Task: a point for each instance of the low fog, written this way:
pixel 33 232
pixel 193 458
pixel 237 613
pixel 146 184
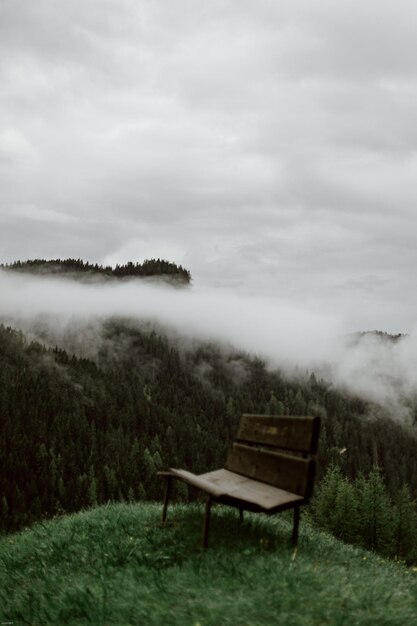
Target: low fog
pixel 290 337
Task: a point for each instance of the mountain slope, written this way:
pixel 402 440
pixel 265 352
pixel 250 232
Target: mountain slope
pixel 76 431
pixel 117 564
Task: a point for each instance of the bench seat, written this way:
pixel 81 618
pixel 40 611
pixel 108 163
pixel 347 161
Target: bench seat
pixel 231 488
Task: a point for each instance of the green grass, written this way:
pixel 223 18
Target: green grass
pixel 119 565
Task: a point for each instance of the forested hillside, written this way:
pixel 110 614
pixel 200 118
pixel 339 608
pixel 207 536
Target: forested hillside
pixel 78 268
pixel 78 431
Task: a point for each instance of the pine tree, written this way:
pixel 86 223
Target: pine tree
pixel 275 407
pixel 346 514
pixel 375 528
pixel 405 526
pixel 299 404
pixel 141 492
pixel 324 503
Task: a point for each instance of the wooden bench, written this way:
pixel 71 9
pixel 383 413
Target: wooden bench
pixel 270 467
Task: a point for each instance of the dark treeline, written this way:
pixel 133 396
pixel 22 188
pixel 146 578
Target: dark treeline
pixel 76 432
pixel 151 267
pixel 379 334
pixel 362 512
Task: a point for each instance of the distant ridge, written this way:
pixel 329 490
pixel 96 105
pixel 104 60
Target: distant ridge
pixel 380 334
pixel 151 268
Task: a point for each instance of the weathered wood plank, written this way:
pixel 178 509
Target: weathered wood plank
pixel 197 481
pixel 248 490
pixel 224 479
pixel 287 432
pixel 290 473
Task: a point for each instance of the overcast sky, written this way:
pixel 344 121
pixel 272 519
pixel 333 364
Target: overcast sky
pixel 269 146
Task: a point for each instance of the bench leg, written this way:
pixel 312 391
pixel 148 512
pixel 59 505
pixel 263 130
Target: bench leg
pixel 240 515
pixel 166 499
pixel 206 523
pixel 294 539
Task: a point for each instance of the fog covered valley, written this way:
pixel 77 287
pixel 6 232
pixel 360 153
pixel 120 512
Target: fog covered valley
pixel 104 384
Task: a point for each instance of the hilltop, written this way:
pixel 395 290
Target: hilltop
pixel 117 564
pixel 77 268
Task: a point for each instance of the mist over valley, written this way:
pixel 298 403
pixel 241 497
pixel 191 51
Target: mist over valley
pixel 69 312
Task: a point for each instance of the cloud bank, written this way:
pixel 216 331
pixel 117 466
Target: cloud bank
pixel 264 326
pixel 288 337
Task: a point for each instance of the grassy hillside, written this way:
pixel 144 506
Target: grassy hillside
pixel 117 564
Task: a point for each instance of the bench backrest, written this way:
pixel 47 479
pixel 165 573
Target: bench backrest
pixel 268 448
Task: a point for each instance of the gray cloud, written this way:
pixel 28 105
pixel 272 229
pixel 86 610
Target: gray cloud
pixel 268 146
